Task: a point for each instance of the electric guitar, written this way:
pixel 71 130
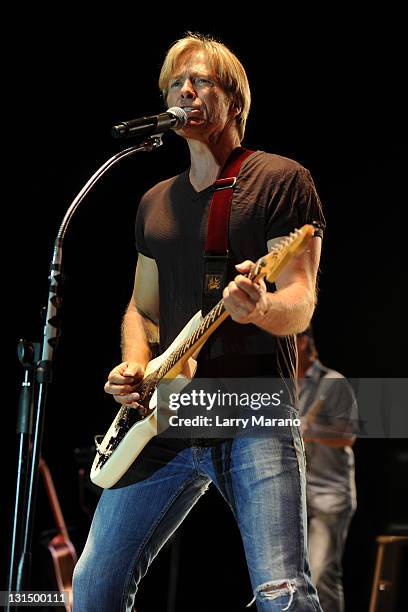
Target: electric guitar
pixel 129 432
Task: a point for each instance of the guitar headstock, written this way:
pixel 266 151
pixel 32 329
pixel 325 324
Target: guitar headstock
pixel 269 266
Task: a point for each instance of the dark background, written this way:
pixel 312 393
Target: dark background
pixel 327 91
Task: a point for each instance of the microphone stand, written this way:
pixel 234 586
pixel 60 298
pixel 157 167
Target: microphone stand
pixel 28 464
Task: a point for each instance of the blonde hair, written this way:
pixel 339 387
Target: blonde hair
pixel 230 72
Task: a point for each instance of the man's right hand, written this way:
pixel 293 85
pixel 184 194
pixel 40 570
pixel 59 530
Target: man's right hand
pixel 123 382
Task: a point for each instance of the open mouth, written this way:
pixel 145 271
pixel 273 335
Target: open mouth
pixel 191 111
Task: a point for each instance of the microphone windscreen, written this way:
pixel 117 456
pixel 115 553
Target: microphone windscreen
pixel 179 113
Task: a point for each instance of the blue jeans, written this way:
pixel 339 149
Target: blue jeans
pixel 262 479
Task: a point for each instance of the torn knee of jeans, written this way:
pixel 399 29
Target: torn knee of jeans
pixel 273 590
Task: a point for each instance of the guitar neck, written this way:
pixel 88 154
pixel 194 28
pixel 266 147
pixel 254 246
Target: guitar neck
pixel 54 502
pixel 314 411
pixel 173 364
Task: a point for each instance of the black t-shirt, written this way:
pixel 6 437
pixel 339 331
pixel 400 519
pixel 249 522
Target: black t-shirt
pixel 272 196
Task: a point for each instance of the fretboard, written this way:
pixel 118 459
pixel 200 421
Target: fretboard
pixel 189 343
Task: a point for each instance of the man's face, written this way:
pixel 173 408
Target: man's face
pixel 195 87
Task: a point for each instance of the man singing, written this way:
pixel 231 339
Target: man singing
pixel 262 478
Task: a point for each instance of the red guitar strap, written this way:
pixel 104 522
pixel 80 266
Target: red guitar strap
pixel 216 245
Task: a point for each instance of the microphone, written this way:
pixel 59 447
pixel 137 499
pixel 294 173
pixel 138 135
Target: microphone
pixel 173 118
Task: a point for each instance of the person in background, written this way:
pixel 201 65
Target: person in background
pixel 328 413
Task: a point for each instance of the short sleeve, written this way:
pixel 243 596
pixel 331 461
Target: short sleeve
pixel 294 202
pixel 339 404
pixel 140 241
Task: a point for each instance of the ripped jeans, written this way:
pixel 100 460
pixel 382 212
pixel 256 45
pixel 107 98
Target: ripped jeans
pixel 262 479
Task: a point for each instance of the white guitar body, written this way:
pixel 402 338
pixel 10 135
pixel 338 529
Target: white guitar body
pixel 106 473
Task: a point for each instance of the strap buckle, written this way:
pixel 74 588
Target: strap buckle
pixel 225 183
